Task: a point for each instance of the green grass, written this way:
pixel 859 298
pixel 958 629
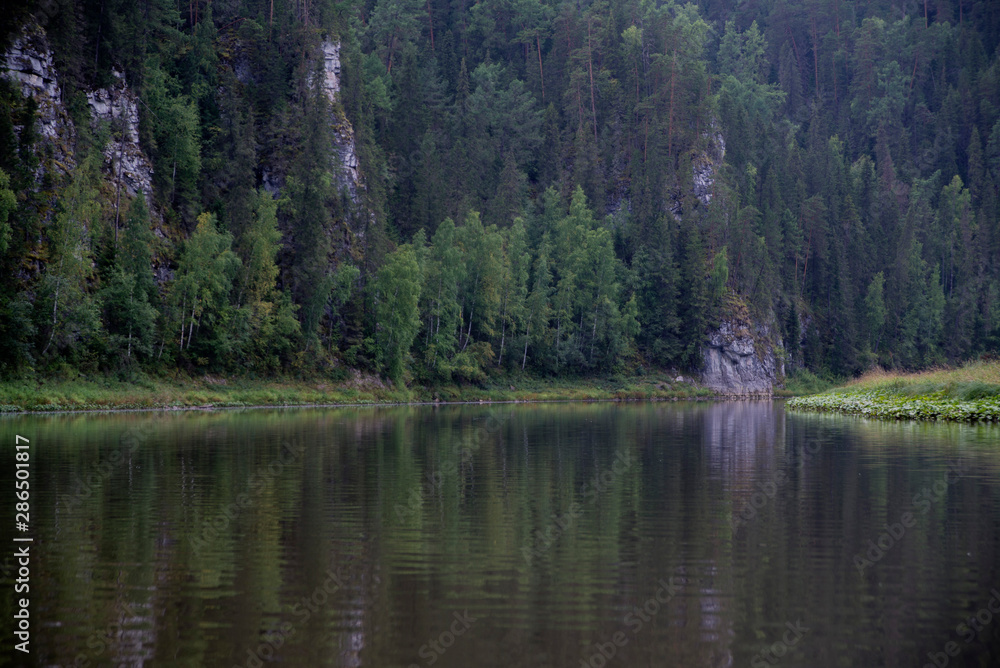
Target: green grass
pixel 970 393
pixel 143 392
pixel 802 382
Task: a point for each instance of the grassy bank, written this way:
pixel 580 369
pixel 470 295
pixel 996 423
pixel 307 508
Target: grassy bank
pixel 215 392
pixel 970 393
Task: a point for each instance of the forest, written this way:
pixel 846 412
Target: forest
pixel 546 187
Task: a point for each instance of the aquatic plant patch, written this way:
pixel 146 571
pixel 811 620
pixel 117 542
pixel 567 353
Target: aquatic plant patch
pixel 888 405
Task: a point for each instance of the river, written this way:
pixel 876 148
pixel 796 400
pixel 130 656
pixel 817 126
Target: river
pixel 576 534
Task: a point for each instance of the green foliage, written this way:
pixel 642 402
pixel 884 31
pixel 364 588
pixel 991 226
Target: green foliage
pixel 743 55
pixel 445 273
pixel 8 204
pixel 637 165
pixel 258 248
pixel 396 292
pixel 720 273
pixel 174 138
pixel 136 253
pixel 199 295
pixel 67 314
pixel 127 298
pixel 264 326
pixel 969 394
pixel 129 316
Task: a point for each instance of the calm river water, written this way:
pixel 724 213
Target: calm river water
pixel 572 535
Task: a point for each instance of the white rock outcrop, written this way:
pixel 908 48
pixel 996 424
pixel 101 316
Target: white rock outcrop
pixel 28 63
pixel 739 360
pixel 345 154
pixel 704 166
pixel 124 159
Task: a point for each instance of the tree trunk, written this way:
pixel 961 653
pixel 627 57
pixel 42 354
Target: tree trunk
pixel 191 328
pixel 183 304
pixel 430 21
pixel 541 74
pixel 118 186
pixel 527 332
pixel 815 55
pixel 97 46
pixel 468 335
pixel 503 326
pixel 795 45
pixel 558 336
pixel 55 310
pixel 128 355
pixel 670 122
pixel 590 69
pixel 593 335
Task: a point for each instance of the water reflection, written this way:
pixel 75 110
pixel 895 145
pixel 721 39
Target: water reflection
pixel 535 535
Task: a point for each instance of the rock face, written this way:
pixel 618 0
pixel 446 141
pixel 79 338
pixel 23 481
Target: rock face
pixel 29 64
pixel 343 152
pixel 345 155
pixel 739 360
pixel 704 165
pixel 123 158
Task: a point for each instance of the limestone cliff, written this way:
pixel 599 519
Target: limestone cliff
pixel 704 165
pixel 739 359
pixel 28 63
pixel 344 153
pixel 124 160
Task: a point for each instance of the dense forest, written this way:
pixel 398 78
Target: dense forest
pixel 545 187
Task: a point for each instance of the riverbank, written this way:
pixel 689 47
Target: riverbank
pixel 970 393
pixel 217 392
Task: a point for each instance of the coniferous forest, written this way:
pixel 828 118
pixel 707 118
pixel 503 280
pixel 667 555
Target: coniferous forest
pixel 542 187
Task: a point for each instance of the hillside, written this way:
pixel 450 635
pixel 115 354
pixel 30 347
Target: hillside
pixel 443 192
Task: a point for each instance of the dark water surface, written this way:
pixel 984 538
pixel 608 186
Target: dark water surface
pixel 682 534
